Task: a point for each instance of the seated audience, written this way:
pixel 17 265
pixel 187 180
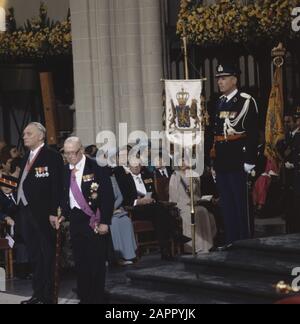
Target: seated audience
pixel 122 230
pixel 161 171
pixel 10 213
pixel 137 187
pixel 205 222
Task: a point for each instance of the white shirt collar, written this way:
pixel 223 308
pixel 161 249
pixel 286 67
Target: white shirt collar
pixel 136 176
pixel 295 132
pixel 126 169
pixel 34 152
pixel 231 95
pixel 79 165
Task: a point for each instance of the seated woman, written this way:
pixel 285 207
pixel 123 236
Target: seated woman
pixel 122 230
pixel 205 223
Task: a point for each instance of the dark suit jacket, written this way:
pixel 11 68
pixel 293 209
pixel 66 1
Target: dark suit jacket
pixel 105 200
pixel 158 174
pixel 128 188
pixel 7 206
pixel 4 204
pixel 44 194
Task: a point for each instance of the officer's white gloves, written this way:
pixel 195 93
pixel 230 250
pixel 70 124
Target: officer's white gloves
pixel 248 168
pixel 289 166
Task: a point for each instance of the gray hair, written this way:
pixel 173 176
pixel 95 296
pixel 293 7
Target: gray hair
pixel 74 140
pixel 40 127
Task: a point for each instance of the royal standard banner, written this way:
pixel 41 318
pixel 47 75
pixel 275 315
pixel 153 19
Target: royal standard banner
pixel 185 124
pixel 183 110
pixel 274 123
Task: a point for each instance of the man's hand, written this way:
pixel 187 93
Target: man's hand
pixel 102 229
pixel 56 222
pixel 145 201
pixel 9 221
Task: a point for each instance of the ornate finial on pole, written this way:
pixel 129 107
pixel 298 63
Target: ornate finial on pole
pixel 278 55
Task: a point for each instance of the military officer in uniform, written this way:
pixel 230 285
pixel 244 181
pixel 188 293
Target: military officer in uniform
pixel 234 152
pixel 286 147
pixel 293 164
pixel 89 204
pixel 39 196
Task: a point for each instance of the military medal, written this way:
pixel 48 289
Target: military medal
pixel 94 191
pixel 88 178
pixel 42 172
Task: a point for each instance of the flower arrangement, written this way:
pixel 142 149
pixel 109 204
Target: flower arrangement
pixel 40 38
pixel 229 21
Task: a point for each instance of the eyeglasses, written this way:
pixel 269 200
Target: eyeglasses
pixel 70 154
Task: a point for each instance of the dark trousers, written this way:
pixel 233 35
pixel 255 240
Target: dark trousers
pixel 40 244
pixel 293 215
pixel 161 220
pixel 90 254
pixel 234 202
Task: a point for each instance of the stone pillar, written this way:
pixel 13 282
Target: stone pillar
pixel 117 65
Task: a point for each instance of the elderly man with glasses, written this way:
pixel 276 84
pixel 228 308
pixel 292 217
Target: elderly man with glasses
pixel 89 205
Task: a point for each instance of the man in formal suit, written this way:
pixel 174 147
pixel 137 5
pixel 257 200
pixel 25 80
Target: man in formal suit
pixel 39 196
pixel 161 170
pixel 137 187
pixel 89 205
pixel 292 165
pixel 8 185
pixel 8 206
pixel 234 153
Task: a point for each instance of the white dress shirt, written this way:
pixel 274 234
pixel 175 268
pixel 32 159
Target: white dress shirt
pixel 35 152
pixel 295 132
pixel 79 174
pixel 11 197
pixel 140 186
pixel 164 172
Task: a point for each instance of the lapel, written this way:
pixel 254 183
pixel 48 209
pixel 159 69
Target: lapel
pixel 86 184
pixel 38 158
pixel 148 182
pixel 131 185
pixel 36 162
pixel 25 159
pixel 67 177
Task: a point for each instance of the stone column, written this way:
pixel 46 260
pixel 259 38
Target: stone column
pixel 117 65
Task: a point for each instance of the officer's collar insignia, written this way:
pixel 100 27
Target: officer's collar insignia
pixel 235 100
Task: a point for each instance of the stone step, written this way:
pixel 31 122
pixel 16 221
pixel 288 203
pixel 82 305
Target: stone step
pixel 239 260
pixel 176 279
pixel 286 245
pixel 128 294
pixel 270 227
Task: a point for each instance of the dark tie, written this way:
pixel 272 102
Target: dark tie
pixel 222 103
pixel 163 173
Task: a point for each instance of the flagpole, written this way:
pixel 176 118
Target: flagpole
pixel 192 198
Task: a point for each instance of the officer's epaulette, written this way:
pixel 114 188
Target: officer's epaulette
pixel 248 97
pixel 245 95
